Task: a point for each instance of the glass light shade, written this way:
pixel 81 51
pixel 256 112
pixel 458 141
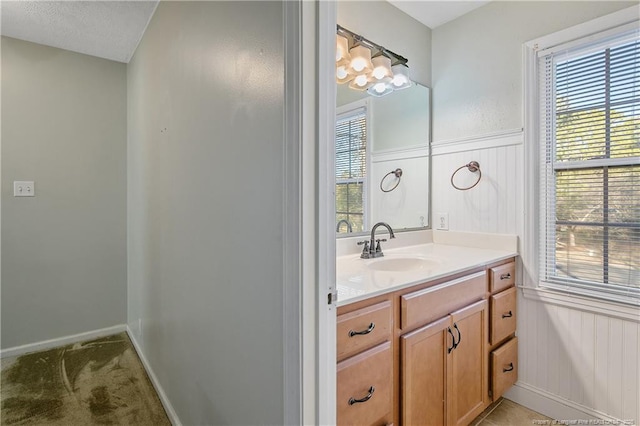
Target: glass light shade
pixel 360 60
pixel 401 78
pixel 342 49
pixel 342 75
pixel 380 89
pixel 360 82
pixel 381 67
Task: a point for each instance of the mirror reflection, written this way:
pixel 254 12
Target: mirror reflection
pixel 376 136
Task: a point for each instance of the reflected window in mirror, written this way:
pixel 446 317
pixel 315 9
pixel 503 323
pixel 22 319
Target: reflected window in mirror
pixel 351 170
pixel 374 136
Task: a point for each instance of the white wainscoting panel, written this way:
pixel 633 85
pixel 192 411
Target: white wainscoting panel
pixel 407 206
pixel 573 360
pixel 584 358
pixel 495 204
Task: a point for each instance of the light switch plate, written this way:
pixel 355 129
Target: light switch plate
pixel 442 221
pixel 23 188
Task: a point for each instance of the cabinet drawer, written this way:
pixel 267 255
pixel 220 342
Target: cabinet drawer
pixel 503 315
pixel 504 367
pixel 363 328
pixel 502 276
pixel 368 378
pixel 429 304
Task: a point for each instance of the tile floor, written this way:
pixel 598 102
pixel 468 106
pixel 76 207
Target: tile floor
pixel 507 413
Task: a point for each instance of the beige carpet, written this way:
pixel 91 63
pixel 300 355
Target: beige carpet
pixel 97 382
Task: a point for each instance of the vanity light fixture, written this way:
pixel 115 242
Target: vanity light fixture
pixel 342 50
pixel 400 78
pixel 360 60
pixel 369 66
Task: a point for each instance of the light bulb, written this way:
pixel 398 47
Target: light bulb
pixel 341 72
pixel 358 64
pixel 381 67
pixel 380 87
pixel 361 80
pixel 360 59
pixel 399 80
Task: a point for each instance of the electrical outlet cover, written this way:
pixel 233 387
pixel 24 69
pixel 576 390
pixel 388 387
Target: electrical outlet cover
pixel 442 221
pixel 23 188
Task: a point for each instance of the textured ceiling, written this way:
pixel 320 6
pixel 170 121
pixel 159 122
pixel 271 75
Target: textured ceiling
pixel 107 29
pixel 435 13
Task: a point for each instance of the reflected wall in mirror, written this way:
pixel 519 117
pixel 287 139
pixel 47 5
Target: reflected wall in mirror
pixel 375 136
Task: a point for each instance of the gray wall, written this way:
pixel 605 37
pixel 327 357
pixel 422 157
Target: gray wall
pixel 205 208
pixel 63 251
pixel 477 62
pixel 390 27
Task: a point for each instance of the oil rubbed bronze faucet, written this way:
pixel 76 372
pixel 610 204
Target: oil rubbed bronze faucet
pixel 349 228
pixel 372 248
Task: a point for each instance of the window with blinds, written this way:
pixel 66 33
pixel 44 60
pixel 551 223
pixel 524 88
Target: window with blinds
pixel 351 171
pixel 590 167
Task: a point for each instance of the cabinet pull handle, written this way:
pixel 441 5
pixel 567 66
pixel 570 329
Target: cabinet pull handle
pixel 352 400
pixel 504 370
pixel 509 315
pixel 363 332
pixel 505 276
pixel 453 344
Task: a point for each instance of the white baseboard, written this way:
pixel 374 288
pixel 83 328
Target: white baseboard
pixel 168 408
pixel 61 341
pixel 553 406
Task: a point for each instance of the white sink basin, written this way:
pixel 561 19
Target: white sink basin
pixel 401 263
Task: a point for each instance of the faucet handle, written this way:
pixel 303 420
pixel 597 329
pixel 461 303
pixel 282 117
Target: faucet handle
pixel 365 249
pixel 378 241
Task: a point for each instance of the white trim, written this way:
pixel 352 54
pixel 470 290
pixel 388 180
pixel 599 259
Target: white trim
pixel 292 218
pixel 310 237
pixel 586 29
pixel 602 162
pixel 400 154
pixel 552 405
pixel 530 243
pixel 168 408
pixel 532 229
pixel 582 303
pixel 352 108
pixel 326 256
pixel 486 141
pixel 61 341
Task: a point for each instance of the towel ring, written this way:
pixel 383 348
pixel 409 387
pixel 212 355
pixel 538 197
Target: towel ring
pixel 473 167
pixel 397 173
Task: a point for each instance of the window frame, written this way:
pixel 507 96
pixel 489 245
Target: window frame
pixel 533 285
pixel 343 111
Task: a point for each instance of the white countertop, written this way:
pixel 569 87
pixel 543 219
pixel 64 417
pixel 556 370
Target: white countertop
pixel 357 281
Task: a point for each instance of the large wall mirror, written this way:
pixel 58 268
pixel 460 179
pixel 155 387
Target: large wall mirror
pixel 375 136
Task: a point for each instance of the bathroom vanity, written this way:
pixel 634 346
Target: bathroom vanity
pixel 425 335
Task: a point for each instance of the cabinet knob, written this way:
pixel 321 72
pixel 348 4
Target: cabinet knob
pixel 352 400
pixel 510 368
pixel 505 276
pixel 363 332
pixel 508 315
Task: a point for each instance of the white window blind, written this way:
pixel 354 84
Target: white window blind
pixel 590 167
pixel 351 170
